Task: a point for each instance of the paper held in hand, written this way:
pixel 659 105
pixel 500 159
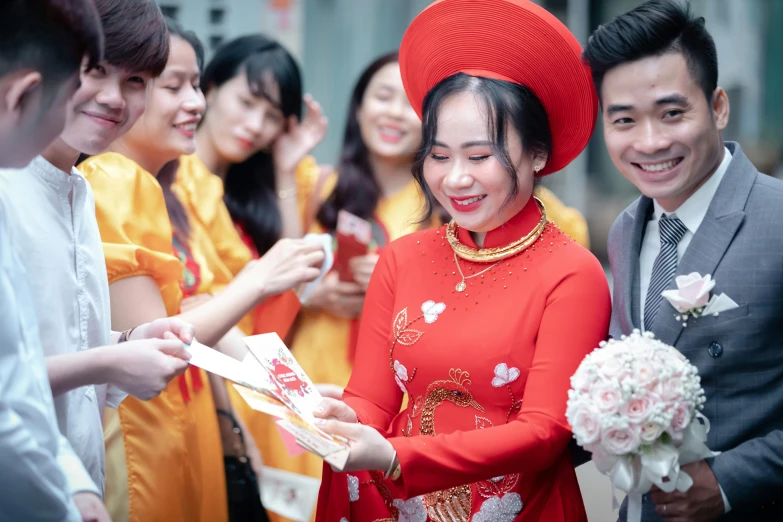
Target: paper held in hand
pixel 271 381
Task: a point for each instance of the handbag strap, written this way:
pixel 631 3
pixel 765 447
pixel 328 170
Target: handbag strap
pixel 235 427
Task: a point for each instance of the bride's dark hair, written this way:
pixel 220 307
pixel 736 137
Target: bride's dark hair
pixel 506 103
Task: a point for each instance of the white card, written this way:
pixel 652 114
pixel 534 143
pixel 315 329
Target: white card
pixel 325 240
pixel 221 364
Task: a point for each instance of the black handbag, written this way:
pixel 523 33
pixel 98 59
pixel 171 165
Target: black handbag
pixel 244 497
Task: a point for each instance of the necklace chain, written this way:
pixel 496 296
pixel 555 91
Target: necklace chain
pixel 488 255
pixel 461 286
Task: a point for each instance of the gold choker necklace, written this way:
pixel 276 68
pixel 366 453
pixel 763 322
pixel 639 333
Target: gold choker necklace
pixel 491 255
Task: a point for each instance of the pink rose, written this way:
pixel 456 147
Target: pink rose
pixel 681 420
pixel 585 424
pixel 621 441
pixel 645 372
pixel 650 432
pixel 611 368
pixel 606 397
pixel 670 389
pixel 693 291
pixel 637 410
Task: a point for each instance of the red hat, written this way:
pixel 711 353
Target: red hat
pixel 512 40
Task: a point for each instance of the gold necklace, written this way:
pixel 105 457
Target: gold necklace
pixel 489 255
pixel 461 286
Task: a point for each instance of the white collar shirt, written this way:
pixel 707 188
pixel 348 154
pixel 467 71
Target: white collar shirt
pixel 691 213
pixel 60 247
pixel 39 472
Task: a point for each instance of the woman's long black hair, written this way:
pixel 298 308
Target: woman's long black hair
pixel 250 192
pixel 167 175
pixel 357 190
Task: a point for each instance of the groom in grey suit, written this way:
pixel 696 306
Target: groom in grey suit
pixel 705 209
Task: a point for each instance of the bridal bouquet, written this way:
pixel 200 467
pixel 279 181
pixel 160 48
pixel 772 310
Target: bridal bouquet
pixel 635 405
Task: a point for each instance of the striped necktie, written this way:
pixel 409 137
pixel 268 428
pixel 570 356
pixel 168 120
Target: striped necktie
pixel 664 268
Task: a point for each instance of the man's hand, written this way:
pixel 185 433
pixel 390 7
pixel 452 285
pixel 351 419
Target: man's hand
pixel 166 328
pixel 90 506
pixel 144 368
pixel 703 502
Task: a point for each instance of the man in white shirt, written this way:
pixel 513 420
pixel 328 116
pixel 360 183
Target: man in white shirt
pixel 42 43
pixel 704 209
pixel 56 233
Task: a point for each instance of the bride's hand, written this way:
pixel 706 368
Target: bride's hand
pixel 369 449
pixel 334 409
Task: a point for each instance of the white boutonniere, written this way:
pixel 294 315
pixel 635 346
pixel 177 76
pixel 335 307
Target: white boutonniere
pixel 692 297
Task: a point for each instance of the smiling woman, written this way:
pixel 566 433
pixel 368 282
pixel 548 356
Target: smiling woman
pixel 467 321
pixel 149 237
pixel 372 181
pixel 483 134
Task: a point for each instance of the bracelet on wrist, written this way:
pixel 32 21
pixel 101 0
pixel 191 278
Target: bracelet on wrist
pixel 394 471
pixel 125 336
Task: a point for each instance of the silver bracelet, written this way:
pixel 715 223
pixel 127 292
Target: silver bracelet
pixel 392 466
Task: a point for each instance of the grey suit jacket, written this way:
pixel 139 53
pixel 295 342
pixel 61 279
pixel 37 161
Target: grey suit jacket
pixel 739 353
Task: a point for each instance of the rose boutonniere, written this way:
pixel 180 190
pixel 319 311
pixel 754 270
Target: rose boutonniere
pixel 692 297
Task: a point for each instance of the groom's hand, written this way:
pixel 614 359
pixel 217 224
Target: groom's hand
pixel 703 502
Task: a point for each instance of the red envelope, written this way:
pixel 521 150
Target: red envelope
pixel 354 235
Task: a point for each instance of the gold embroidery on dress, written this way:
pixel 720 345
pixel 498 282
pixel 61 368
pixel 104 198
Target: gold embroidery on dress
pixel 516 405
pixel 453 504
pixel 388 499
pixel 405 336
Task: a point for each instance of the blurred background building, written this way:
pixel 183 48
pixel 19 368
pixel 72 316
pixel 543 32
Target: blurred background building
pixel 334 40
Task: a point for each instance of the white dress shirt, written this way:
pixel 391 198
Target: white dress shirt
pixel 34 456
pixel 59 244
pixel 691 213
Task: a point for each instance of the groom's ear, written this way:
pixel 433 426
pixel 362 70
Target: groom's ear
pixel 721 108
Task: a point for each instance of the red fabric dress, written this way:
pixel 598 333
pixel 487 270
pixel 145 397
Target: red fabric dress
pixel 484 436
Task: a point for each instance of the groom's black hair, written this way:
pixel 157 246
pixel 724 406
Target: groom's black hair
pixel 655 28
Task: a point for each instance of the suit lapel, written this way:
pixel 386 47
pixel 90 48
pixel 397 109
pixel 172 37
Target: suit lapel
pixel 640 220
pixel 634 223
pixel 714 236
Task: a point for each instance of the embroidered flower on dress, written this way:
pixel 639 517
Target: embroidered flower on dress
pixel 500 509
pixel 432 310
pixel 504 375
pixel 411 510
pixel 343 519
pixel 483 422
pixel 353 488
pixel 400 375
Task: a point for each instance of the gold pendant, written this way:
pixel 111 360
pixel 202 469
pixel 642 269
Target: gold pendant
pixel 461 286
